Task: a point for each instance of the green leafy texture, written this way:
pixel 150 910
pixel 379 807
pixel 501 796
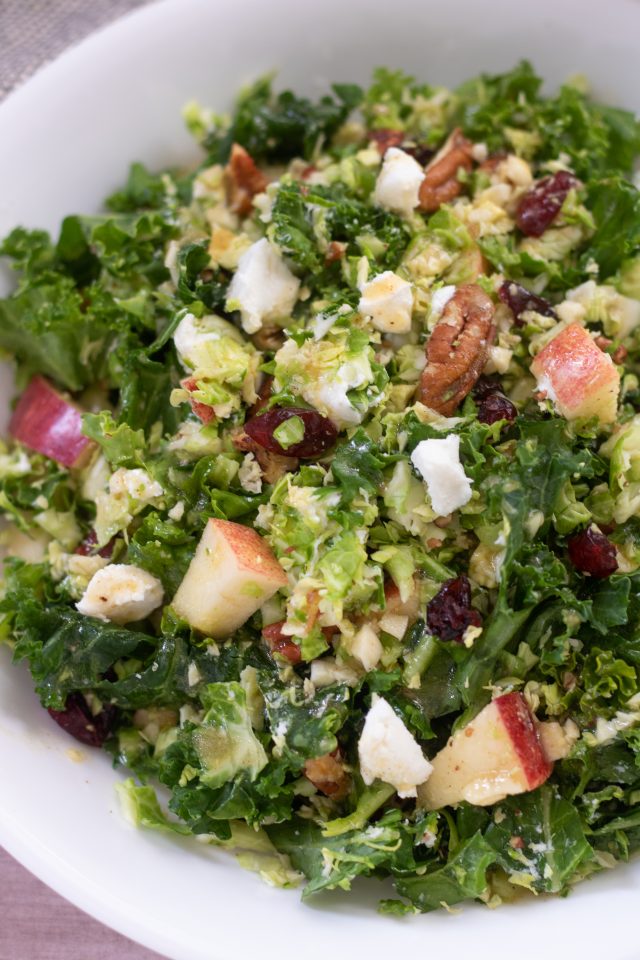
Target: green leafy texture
pixel 334 862
pixel 305 727
pixel 163 548
pixel 463 877
pixel 356 466
pixel 144 190
pixel 252 848
pixel 507 110
pixel 121 446
pixel 51 331
pixel 141 807
pixel 279 127
pixel 615 205
pixel 301 221
pixel 289 432
pixel 224 742
pixel 540 843
pixel 545 458
pixel 67 651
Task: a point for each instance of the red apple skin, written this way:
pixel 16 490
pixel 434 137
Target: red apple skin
pixel 519 724
pixel 583 378
pixel 202 410
pixel 47 423
pixel 497 754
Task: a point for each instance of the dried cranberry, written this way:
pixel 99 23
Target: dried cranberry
pixel 485 387
pixel 496 407
pixel 319 433
pixel 78 721
pixel 593 553
pixel 541 204
pixel 450 612
pixel 519 300
pixel 492 403
pixel 88 545
pixel 280 643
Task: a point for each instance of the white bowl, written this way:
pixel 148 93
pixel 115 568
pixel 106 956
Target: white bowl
pixel 67 137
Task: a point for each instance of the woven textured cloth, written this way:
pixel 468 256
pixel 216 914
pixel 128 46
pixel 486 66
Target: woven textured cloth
pixel 33 32
pixel 36 923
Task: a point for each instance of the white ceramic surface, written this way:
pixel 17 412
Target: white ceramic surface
pixel 67 137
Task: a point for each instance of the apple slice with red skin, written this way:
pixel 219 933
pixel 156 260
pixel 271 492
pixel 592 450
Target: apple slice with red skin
pixel 202 410
pixel 577 376
pixel 497 754
pixel 47 423
pixel 233 572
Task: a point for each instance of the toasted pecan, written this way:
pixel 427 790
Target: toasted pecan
pixel 328 775
pixel 441 184
pixel 243 180
pixel 458 349
pixel 273 465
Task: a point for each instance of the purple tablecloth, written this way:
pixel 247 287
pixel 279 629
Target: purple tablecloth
pixel 35 923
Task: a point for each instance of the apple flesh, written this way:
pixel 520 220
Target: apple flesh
pixel 496 755
pixel 47 423
pixel 233 572
pixel 395 605
pixel 577 376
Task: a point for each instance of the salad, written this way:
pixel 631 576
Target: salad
pixel 322 492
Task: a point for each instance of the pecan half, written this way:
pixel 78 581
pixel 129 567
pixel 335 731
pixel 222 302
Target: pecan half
pixel 243 179
pixel 441 184
pixel 328 775
pixel 386 137
pixel 273 465
pixel 457 349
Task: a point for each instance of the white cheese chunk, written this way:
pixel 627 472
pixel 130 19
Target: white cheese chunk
pixel 440 298
pixel 263 288
pixel 388 300
pixel 136 484
pixel 365 646
pixel 398 184
pixel 329 393
pixel 438 462
pixel 177 511
pixel 388 751
pixel 121 593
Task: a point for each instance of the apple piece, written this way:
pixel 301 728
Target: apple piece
pixel 202 410
pixel 496 755
pixel 47 423
pixel 395 605
pixel 577 376
pixel 233 572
